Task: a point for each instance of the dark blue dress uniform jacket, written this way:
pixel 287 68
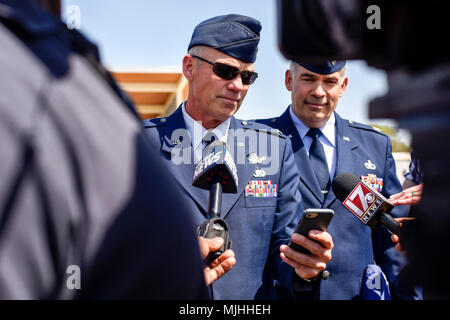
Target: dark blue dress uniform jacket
pixel 258 225
pixel 356 245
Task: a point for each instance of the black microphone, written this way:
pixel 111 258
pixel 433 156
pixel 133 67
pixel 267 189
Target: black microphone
pixel 368 205
pixel 216 172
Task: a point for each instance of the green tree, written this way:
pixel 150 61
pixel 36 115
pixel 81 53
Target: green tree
pixel 393 133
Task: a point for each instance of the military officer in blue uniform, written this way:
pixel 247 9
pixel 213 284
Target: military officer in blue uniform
pixel 324 146
pixel 262 215
pixel 82 215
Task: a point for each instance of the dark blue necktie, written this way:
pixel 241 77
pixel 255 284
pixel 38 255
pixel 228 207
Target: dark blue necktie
pixel 318 160
pixel 209 138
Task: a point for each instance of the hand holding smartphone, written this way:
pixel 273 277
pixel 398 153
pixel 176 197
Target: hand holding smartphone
pixel 312 219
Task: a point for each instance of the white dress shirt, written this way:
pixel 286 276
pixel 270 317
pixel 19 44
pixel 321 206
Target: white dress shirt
pixel 328 139
pixel 197 132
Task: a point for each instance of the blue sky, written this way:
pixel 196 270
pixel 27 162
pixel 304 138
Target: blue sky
pixel 156 33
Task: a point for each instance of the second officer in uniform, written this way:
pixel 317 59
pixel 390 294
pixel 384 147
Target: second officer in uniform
pixel 324 146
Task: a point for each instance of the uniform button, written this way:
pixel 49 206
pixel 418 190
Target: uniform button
pixel 325 274
pixel 244 123
pixel 273 120
pixel 163 120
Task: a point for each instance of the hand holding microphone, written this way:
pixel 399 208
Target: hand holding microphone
pixel 216 172
pixel 368 205
pixel 396 239
pixel 219 266
pixel 371 208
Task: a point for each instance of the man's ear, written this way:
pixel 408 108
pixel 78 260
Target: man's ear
pixel 343 86
pixel 288 80
pixel 188 66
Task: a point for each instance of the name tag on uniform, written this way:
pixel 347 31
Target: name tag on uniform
pixel 373 181
pixel 261 189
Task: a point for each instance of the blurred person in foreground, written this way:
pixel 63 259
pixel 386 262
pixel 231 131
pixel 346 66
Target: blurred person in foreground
pixel 83 215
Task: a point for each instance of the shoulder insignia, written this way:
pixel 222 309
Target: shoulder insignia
pixel 363 126
pixel 154 122
pixel 378 129
pixel 279 132
pixel 272 131
pixel 261 127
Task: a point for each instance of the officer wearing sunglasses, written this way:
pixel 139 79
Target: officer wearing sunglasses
pixel 263 214
pixel 228 72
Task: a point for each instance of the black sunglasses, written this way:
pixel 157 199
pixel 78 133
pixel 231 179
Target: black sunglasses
pixel 228 72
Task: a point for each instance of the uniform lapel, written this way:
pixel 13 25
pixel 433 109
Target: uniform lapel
pixel 346 151
pixel 308 180
pixel 237 146
pixel 176 147
pixel 176 140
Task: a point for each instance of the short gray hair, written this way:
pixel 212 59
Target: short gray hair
pixel 197 50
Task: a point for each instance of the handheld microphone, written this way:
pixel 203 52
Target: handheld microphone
pixel 368 205
pixel 216 172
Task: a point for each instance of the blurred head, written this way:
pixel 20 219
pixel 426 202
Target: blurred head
pixel 315 90
pixel 219 67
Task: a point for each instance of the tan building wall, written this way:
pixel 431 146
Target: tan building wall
pixel 155 93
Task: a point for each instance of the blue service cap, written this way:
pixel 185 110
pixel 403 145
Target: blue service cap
pixel 233 34
pixel 327 67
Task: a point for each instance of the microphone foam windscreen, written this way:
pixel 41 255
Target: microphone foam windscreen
pixel 343 184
